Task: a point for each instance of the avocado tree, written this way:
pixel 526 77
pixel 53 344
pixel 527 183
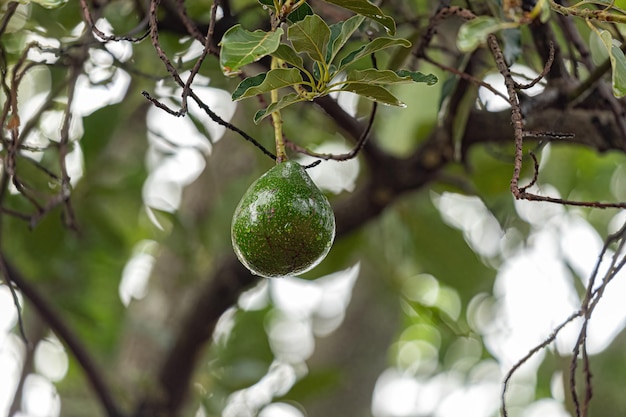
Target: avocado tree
pixel 433 223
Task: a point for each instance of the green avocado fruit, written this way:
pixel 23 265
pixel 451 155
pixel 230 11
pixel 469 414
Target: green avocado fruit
pixel 283 224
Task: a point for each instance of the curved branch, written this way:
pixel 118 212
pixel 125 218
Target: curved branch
pixel 11 8
pixel 360 144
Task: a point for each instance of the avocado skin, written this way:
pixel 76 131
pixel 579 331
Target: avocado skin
pixel 283 225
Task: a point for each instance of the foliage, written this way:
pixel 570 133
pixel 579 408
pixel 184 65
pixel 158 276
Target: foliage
pixel 321 44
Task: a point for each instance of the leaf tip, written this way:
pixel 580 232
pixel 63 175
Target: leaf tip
pixel 259 115
pixel 229 72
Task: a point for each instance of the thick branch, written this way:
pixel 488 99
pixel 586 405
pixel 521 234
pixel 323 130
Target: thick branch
pixel 593 128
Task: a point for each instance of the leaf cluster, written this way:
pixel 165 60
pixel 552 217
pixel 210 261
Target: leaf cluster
pixel 312 57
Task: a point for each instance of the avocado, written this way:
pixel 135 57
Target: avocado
pixel 283 225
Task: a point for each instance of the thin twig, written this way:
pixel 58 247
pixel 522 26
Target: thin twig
pixel 70 218
pixel 516 113
pixel 36 330
pixel 313 164
pixel 344 156
pixel 154 36
pixel 614 268
pixel 588 377
pixel 570 30
pixel 103 36
pixel 548 134
pixel 18 307
pixel 207 43
pixel 362 140
pixel 437 18
pixel 588 304
pixel 519 134
pixel 11 8
pixel 575 203
pixel 466 76
pixel 590 301
pixel 529 355
pixel 189 24
pixel 16 214
pixel 214 117
pixel 542 75
pixel 535 175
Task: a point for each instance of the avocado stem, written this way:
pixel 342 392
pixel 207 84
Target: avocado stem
pixel 277 121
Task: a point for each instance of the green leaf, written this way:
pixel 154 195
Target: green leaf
pixel 310 36
pixel 285 101
pixel 374 93
pixel 287 54
pixel 419 77
pixel 317 71
pixel 618 64
pixel 367 9
pixel 263 83
pixel 248 83
pixel 599 52
pixel 374 46
pixel 300 13
pixel 340 33
pixel 473 33
pixel 386 77
pixel 241 47
pixel 378 77
pixel 546 11
pixel 48 4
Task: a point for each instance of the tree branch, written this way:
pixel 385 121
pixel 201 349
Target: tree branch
pixel 51 317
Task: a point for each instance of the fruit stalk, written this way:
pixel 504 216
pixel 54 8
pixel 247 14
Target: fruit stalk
pixel 277 121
